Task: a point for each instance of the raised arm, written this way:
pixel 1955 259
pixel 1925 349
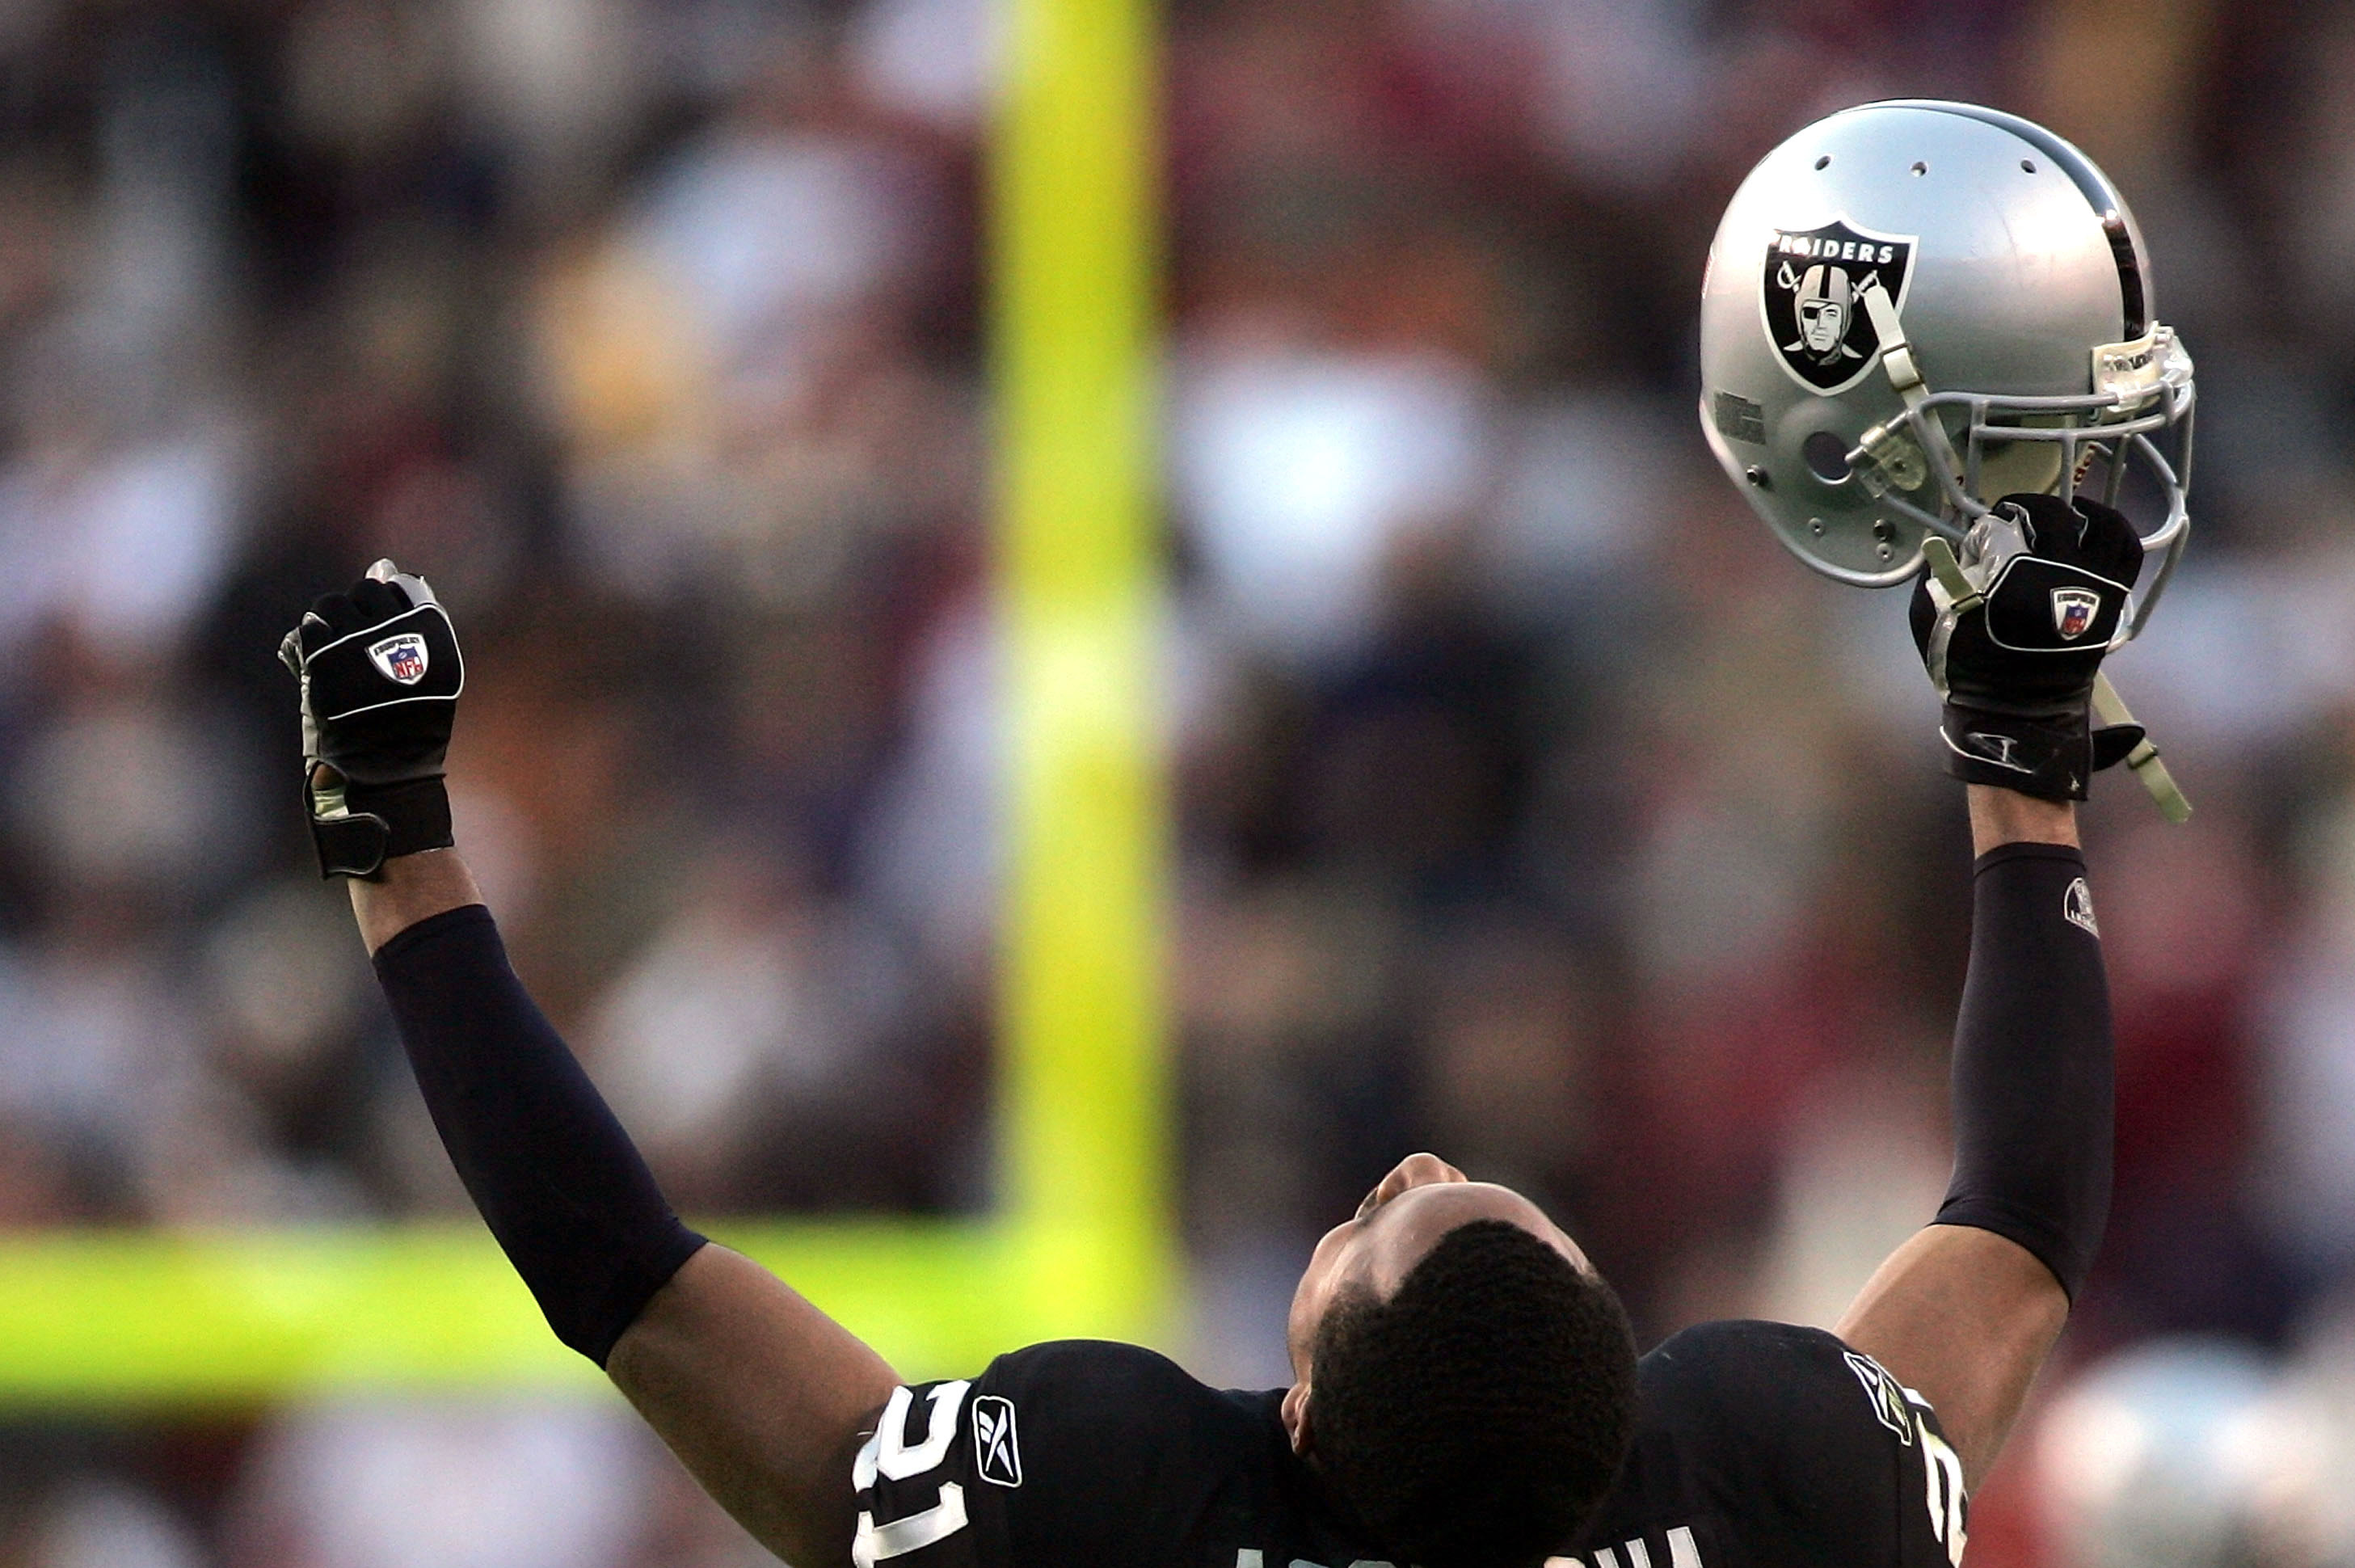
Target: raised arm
pixel 1966 1310
pixel 764 1397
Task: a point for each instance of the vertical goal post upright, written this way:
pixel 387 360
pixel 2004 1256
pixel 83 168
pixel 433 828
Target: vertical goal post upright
pixel 1083 1242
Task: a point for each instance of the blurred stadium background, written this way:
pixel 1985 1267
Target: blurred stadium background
pixel 1527 803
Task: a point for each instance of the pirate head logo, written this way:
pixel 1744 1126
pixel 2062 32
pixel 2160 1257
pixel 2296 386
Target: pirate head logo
pixel 1813 299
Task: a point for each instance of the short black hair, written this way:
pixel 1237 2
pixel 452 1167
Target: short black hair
pixel 1475 1418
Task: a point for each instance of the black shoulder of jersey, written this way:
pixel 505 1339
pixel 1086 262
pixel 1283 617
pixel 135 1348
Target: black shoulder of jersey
pixel 1074 1451
pixel 1145 1380
pixel 1761 1445
pixel 1132 1457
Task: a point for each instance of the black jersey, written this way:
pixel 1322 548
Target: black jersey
pixel 1760 1445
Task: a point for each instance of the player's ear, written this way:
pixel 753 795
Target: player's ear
pixel 1295 1418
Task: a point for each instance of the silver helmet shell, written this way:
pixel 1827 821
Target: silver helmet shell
pixel 1914 308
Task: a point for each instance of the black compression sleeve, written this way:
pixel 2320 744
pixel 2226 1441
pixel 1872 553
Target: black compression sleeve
pixel 556 1179
pixel 2032 1062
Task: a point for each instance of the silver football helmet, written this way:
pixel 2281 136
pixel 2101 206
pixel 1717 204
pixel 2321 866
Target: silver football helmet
pixel 1914 308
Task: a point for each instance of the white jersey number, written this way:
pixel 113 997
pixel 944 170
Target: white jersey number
pixel 887 1455
pixel 1942 1476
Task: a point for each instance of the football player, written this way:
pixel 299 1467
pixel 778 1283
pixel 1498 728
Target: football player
pixel 1466 1391
pixel 1466 1394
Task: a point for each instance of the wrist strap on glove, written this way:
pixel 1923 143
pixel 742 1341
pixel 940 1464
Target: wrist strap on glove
pixel 2051 758
pixel 356 830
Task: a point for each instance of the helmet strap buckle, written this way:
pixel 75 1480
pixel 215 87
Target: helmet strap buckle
pixel 1905 376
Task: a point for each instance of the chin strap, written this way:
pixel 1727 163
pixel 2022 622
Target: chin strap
pixel 1905 377
pixel 1896 353
pixel 2143 761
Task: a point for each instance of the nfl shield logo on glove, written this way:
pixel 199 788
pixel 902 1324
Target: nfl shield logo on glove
pixel 401 658
pixel 2073 612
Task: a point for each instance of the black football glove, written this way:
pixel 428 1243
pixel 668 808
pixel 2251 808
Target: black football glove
pixel 2016 661
pixel 380 675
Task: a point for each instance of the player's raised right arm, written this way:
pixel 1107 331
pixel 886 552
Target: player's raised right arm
pixel 764 1397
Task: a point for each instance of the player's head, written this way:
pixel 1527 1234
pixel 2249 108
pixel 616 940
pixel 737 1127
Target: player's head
pixel 1466 1381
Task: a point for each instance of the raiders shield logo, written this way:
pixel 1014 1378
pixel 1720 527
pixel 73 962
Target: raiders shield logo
pixel 1812 299
pixel 401 658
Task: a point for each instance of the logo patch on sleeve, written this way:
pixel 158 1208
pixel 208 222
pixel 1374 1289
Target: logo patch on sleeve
pixel 1886 1394
pixel 401 659
pixel 1812 299
pixel 2077 908
pixel 996 1452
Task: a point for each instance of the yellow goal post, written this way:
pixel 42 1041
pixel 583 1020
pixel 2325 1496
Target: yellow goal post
pixel 159 1321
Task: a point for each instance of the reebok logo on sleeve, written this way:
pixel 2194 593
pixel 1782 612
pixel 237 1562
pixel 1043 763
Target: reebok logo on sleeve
pixel 996 1453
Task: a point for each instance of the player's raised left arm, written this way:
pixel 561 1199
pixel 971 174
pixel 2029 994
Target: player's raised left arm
pixel 1967 1309
pixel 764 1397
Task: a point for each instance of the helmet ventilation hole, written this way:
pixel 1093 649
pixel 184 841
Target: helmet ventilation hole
pixel 1826 455
pixel 2028 165
pixel 1921 169
pixel 1825 161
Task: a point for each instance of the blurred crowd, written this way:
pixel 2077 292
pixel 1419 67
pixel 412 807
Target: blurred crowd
pixel 1533 806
